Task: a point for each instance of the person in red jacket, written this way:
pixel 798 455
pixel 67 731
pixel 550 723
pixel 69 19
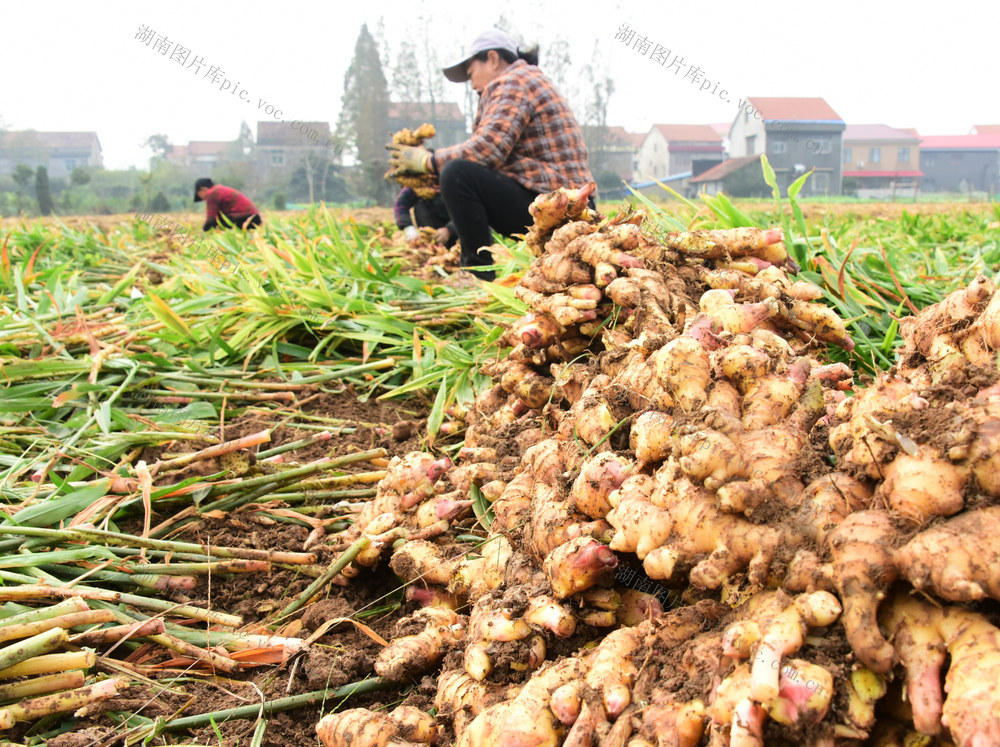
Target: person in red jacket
pixel 234 207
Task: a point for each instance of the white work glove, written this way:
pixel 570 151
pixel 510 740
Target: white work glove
pixel 411 233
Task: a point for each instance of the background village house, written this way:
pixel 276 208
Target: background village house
pixel 797 134
pixel 881 162
pixel 58 152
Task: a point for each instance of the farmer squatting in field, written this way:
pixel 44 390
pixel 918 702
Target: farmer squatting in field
pixel 235 208
pixel 525 141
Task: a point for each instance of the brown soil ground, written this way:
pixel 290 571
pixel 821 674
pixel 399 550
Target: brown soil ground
pixel 342 655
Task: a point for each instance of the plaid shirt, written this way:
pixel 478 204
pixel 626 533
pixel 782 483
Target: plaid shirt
pixel 525 130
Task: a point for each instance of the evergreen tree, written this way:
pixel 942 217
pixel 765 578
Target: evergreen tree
pixel 160 203
pixel 159 144
pixel 364 118
pixel 382 43
pixel 22 176
pixel 245 139
pixel 79 176
pixel 43 192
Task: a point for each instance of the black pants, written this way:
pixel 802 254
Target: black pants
pixel 479 199
pixel 235 221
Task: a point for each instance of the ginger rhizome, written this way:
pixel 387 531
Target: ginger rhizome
pixel 701 529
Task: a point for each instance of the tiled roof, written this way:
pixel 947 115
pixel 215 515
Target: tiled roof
pixel 960 142
pixel 620 136
pixel 688 133
pixel 208 147
pixel 794 109
pixel 75 140
pixel 617 135
pixel 854 133
pixel 444 111
pixel 725 168
pixel 883 173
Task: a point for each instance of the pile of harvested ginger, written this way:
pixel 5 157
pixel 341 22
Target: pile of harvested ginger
pixel 699 531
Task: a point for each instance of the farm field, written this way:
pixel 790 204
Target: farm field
pixel 226 456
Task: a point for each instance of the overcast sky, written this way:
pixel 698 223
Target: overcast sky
pixel 78 66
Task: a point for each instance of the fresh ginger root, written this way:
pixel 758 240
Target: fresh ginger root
pixel 957 559
pixel 533 389
pixel 936 332
pixel 526 719
pixel 640 526
pixel 684 370
pixel 597 249
pixel 737 242
pixel 924 635
pixel 771 397
pixel 816 320
pixel 425 185
pixel 558 269
pixel 359 727
pixel 491 624
pixel 424 562
pixel 415 654
pixel 774 626
pixel 857 441
pixel 862 569
pixel 412 477
pixel 613 672
pixel 590 418
pixel 577 565
pixel 577 304
pixel 652 436
pixel 563 235
pixel 640 384
pixel 390 515
pixel 553 208
pixel 984 453
pixel 698 527
pixel 465 577
pixel 598 476
pixel 924 485
pixel 733 706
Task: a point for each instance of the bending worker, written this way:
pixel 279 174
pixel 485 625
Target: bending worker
pixel 234 208
pixel 432 213
pixel 525 141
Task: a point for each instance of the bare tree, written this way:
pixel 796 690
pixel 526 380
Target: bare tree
pixel 598 87
pixel 433 76
pixel 407 77
pixel 557 65
pixel 316 164
pixel 504 24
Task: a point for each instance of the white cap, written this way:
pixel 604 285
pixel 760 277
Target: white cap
pixel 492 39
